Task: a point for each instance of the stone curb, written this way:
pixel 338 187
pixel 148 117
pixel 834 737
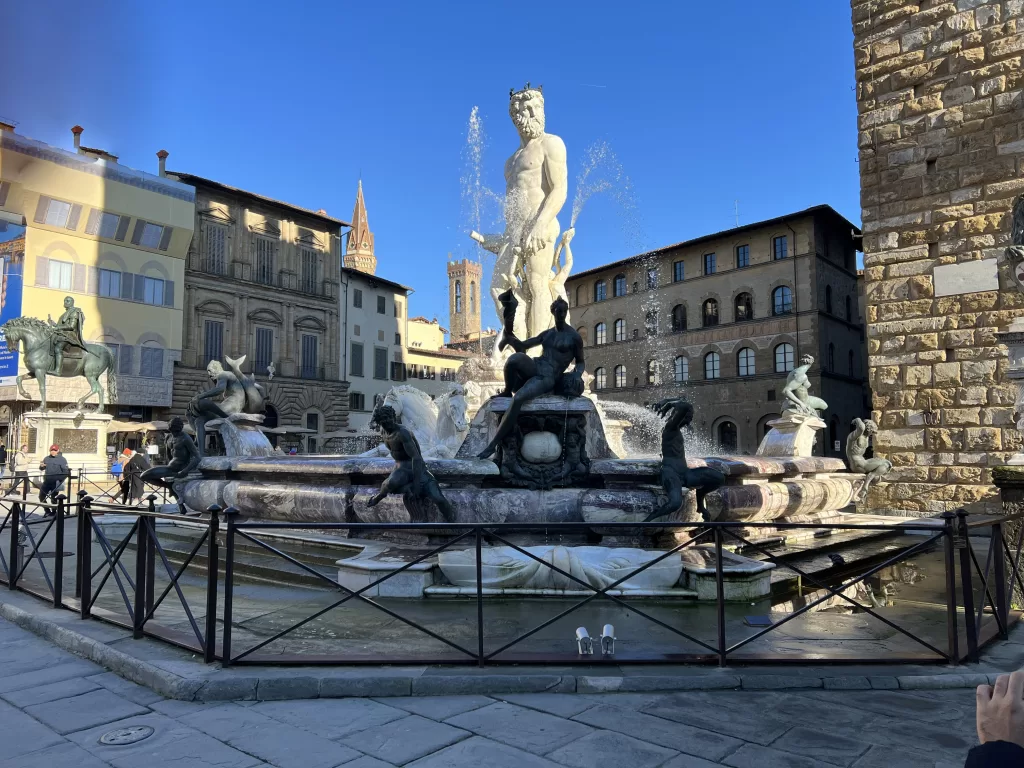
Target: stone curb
pixel 220 685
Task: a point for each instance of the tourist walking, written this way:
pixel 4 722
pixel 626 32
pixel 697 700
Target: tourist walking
pixel 3 462
pixel 55 472
pixel 133 484
pixel 20 465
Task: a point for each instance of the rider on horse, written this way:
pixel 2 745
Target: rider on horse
pixel 67 331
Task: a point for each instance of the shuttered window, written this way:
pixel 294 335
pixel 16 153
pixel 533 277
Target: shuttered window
pixel 106 225
pixel 150 235
pixel 151 365
pixel 357 298
pixel 309 356
pixel 213 346
pixel 60 276
pixel 125 357
pixel 264 350
pixel 310 270
pixel 216 248
pixel 264 261
pixel 153 291
pixel 356 361
pixel 380 363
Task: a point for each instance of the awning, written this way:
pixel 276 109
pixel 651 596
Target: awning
pixel 137 426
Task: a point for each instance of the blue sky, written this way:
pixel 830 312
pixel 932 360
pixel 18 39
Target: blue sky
pixel 703 104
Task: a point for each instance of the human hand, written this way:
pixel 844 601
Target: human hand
pixel 1000 711
pixel 534 241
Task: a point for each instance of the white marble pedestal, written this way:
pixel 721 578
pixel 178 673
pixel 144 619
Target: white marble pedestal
pixel 791 435
pixel 82 438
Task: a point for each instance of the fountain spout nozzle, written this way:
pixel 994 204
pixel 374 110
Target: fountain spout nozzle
pixel 608 640
pixel 584 642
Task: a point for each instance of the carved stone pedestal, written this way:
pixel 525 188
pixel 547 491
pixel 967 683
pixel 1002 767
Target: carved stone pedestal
pixel 82 438
pixel 792 434
pixel 242 435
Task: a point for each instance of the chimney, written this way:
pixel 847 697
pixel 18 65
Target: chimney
pixel 77 131
pixel 162 155
pixel 6 126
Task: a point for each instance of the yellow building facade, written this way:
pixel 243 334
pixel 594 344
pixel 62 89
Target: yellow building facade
pixel 429 364
pixel 112 238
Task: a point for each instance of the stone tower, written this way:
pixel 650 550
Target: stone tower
pixel 359 250
pixel 464 280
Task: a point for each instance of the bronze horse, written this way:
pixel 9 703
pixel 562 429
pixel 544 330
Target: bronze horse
pixel 38 358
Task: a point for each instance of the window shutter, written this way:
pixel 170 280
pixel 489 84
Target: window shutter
pixel 93 281
pixel 165 239
pixel 127 285
pixel 75 215
pixel 140 288
pixel 41 206
pixel 42 270
pixel 5 188
pixel 168 293
pixel 137 234
pixel 124 360
pixel 122 228
pixel 78 278
pixel 92 226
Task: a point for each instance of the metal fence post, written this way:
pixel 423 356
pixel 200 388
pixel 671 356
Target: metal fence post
pixel 479 597
pixel 212 572
pixel 967 585
pixel 1001 607
pixel 14 559
pixel 141 550
pixel 720 597
pixel 151 557
pixel 85 555
pixel 58 552
pixel 229 586
pixel 79 545
pixel 952 631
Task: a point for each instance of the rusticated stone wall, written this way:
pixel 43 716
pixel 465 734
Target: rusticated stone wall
pixel 941 143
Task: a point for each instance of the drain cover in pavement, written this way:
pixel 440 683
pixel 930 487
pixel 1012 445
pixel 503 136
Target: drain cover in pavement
pixel 123 736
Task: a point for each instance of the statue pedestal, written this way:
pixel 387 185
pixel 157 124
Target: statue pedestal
pixel 792 434
pixel 242 435
pixel 1014 341
pixel 82 438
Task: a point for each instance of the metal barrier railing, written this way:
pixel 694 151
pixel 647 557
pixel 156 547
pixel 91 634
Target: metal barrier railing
pixel 982 596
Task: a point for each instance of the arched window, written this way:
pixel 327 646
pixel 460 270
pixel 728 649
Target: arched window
pixel 828 299
pixel 581 291
pixel 651 322
pixel 619 287
pixel 745 361
pixel 653 374
pixel 849 310
pixel 678 318
pixel 620 330
pixel 620 376
pixel 849 360
pixel 600 334
pixel 600 379
pixel 458 296
pixel 472 298
pixel 728 438
pixel 712 365
pixel 744 307
pixel 784 358
pixel 600 291
pixel 682 369
pixel 710 312
pixel 582 331
pixel 782 300
pixel 831 358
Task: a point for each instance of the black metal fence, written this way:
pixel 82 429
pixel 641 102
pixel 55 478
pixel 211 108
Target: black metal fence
pixel 130 567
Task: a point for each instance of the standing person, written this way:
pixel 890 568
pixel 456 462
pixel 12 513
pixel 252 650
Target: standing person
pixel 55 472
pixel 116 470
pixel 125 480
pixel 3 461
pixel 21 469
pixel 133 470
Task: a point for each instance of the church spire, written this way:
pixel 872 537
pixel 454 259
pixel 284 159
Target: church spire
pixel 359 251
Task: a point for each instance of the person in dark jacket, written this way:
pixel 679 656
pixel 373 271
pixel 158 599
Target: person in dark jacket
pixel 55 472
pixel 133 470
pixel 1000 718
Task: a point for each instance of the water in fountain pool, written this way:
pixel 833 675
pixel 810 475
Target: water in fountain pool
pixel 643 437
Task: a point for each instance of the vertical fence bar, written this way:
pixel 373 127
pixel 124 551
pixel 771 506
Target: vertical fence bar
pixel 14 561
pixel 58 552
pixel 479 597
pixel 85 555
pixel 229 586
pixel 967 584
pixel 141 550
pixel 151 557
pixel 1001 606
pixel 79 545
pixel 952 632
pixel 720 597
pixel 212 572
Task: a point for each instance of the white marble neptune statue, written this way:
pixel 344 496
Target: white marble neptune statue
pixel 536 184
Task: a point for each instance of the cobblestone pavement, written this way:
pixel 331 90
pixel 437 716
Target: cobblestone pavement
pixel 56 707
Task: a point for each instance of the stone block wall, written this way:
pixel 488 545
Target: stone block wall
pixel 941 137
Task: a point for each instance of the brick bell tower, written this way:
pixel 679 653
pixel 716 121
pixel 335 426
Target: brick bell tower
pixel 359 250
pixel 464 281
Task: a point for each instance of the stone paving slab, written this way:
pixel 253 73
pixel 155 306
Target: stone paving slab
pixel 405 740
pixel 41 694
pixel 85 711
pixel 479 752
pixel 63 755
pixel 522 728
pixel 608 748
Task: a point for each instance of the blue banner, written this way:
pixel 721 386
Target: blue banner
pixel 13 253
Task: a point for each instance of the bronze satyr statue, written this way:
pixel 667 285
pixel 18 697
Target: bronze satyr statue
pixel 44 348
pixel 528 377
pixel 675 475
pixel 184 458
pixel 410 476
